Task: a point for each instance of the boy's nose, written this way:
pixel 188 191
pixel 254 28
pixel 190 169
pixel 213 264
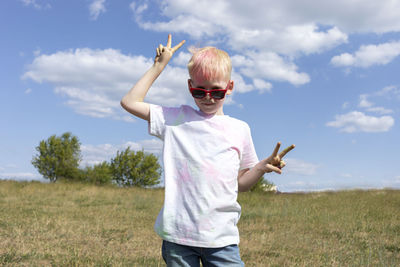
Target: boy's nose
pixel 209 98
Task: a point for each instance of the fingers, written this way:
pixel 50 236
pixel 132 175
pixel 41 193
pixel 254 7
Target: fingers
pixel 286 150
pixel 161 48
pixel 178 46
pixel 282 164
pixel 275 162
pixel 273 168
pixel 169 41
pixel 276 150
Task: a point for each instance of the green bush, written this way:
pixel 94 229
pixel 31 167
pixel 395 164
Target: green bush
pixel 58 160
pixel 99 174
pixel 130 168
pixel 58 157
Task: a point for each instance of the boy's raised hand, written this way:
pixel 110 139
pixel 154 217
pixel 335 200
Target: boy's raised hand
pixel 164 53
pixel 274 163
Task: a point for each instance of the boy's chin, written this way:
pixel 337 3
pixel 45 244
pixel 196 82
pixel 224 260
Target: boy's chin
pixel 208 112
pixel 210 109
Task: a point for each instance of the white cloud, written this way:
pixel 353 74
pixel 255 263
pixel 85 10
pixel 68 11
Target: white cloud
pixel 88 103
pixel 31 3
pixel 181 17
pixel 369 106
pixel 267 17
pixel 181 59
pixel 344 59
pixel 270 66
pixel 262 85
pixel 96 8
pixel 240 84
pixel 369 55
pixel 300 167
pixel 35 4
pixel 364 103
pixel 292 40
pixel 380 110
pixel 391 92
pixel 356 121
pixel 266 29
pixel 94 81
pixel 285 26
pixel 278 31
pixel 95 154
pixel 189 25
pixel 260 26
pixel 138 9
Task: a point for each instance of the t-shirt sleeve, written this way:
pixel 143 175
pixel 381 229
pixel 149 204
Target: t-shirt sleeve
pixel 160 117
pixel 157 121
pixel 249 155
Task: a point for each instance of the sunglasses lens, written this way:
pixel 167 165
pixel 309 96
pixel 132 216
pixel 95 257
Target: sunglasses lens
pixel 201 93
pixel 218 94
pixel 198 93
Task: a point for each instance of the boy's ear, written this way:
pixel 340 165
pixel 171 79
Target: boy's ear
pixel 230 89
pixel 189 83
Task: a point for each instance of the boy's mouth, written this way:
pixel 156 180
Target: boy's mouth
pixel 208 104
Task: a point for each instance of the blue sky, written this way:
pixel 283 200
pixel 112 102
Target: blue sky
pixel 319 74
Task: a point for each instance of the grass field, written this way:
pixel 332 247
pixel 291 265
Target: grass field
pixel 83 225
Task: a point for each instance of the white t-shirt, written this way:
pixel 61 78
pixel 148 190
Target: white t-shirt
pixel 202 155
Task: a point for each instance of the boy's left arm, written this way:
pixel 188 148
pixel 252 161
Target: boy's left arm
pixel 274 163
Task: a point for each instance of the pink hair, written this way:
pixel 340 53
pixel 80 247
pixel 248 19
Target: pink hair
pixel 210 64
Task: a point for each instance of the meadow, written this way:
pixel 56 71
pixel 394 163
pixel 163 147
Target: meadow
pixel 63 224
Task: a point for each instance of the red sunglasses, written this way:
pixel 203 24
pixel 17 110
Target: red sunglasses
pixel 200 93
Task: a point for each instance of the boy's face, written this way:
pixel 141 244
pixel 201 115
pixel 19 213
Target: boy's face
pixel 208 104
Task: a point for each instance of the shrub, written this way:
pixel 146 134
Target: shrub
pixel 99 174
pixel 58 157
pixel 130 168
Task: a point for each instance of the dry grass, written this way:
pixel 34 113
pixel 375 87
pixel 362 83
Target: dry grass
pixel 83 225
pixel 77 225
pixel 350 228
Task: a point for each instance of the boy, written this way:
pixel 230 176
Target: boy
pixel 207 159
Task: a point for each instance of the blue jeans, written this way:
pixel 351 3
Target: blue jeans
pixel 176 255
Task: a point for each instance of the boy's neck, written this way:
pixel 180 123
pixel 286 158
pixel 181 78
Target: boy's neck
pixel 219 112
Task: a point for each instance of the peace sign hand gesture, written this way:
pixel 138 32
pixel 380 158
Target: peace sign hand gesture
pixel 164 53
pixel 274 163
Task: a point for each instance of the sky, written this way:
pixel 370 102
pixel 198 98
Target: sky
pixel 323 75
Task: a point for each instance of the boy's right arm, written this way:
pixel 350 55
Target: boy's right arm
pixel 133 100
